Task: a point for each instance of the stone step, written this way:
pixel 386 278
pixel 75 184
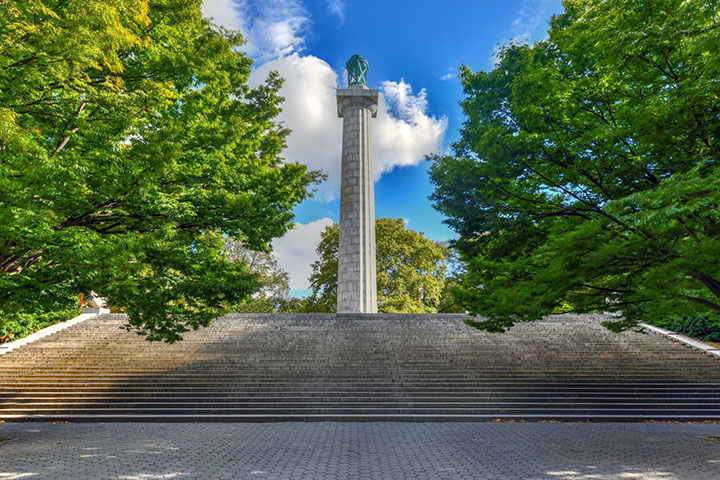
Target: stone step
pixel 72 397
pixel 398 403
pixel 250 418
pixel 118 370
pixel 335 367
pixel 347 389
pixel 299 409
pixel 344 392
pixel 321 379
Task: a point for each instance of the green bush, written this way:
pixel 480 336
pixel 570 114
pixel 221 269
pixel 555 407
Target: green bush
pixel 702 326
pixel 16 326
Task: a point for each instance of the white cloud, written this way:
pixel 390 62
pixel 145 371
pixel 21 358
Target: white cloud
pixel 310 111
pixel 336 7
pixel 271 28
pixel 451 73
pixel 402 132
pixel 296 251
pixel 223 12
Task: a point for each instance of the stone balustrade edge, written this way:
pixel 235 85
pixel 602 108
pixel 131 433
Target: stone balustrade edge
pixel 697 344
pixel 87 314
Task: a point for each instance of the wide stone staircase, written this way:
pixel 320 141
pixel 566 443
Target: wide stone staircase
pixel 324 367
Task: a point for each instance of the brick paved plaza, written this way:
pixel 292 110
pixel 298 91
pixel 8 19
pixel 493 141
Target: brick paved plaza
pixel 560 451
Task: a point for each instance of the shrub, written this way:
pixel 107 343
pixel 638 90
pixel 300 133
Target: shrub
pixel 702 326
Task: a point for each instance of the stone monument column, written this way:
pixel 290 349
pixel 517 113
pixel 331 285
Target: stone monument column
pixel 357 104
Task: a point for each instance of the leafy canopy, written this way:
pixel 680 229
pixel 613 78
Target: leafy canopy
pixel 587 173
pixel 411 270
pixel 274 282
pixel 130 145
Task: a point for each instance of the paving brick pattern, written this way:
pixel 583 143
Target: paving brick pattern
pixel 542 451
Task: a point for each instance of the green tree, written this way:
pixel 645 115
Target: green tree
pixel 410 270
pixel 274 281
pixel 587 171
pixel 130 146
pixel 456 268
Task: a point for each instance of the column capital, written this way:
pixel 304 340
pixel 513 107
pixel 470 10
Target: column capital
pixel 357 96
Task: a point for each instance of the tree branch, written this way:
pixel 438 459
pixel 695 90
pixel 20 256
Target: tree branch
pixel 712 284
pixel 22 62
pixel 73 129
pixel 702 301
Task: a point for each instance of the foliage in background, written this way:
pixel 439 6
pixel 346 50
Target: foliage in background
pixel 130 146
pixel 411 270
pixel 456 268
pixel 273 280
pixel 588 167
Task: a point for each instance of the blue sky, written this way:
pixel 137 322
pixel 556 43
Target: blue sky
pixel 414 49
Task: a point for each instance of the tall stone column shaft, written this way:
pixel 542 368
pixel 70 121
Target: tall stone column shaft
pixel 357 287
